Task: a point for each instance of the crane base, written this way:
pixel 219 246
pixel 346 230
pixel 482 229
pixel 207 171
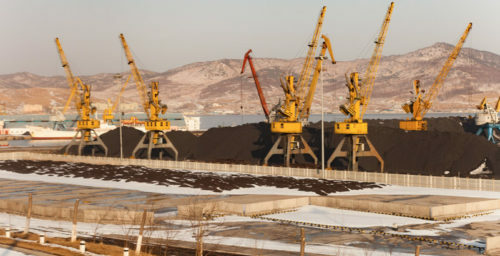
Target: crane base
pixel 290 144
pixel 351 128
pixel 286 127
pixel 413 125
pixel 489 132
pixel 156 140
pixel 86 139
pixel 355 149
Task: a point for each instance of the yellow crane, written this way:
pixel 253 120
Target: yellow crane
pixel 72 81
pixel 156 127
pixel 307 66
pixel 484 105
pixel 419 106
pixel 86 125
pixel 288 117
pixel 353 128
pixel 107 115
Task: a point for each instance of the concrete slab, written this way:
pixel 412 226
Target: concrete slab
pixel 417 206
pixel 120 205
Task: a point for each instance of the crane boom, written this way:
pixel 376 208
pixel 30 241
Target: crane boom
pixel 431 95
pixel 305 111
pixel 307 67
pixel 263 103
pixel 139 82
pixel 72 81
pixel 371 71
pixel 497 106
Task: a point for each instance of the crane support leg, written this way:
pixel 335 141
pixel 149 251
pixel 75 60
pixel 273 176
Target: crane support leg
pixel 489 131
pixel 355 149
pixel 86 138
pixel 155 140
pixel 288 145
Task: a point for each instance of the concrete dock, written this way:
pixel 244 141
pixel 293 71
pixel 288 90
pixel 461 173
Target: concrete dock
pixel 109 205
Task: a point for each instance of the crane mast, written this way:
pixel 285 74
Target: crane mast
pixel 308 63
pixel 355 131
pixel 438 83
pixel 108 113
pixel 86 126
pixel 422 103
pixel 155 137
pixel 139 82
pixel 371 71
pixel 72 82
pixel 306 111
pixel 262 99
pixel 287 116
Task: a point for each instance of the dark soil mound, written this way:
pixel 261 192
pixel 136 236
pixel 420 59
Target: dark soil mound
pixel 432 152
pixel 183 142
pixel 164 177
pixel 245 143
pixel 130 138
pixel 449 145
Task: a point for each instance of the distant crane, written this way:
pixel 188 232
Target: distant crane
pixel 353 128
pixel 85 125
pixel 488 120
pixel 263 103
pixel 287 118
pixel 155 135
pixel 107 115
pixel 419 106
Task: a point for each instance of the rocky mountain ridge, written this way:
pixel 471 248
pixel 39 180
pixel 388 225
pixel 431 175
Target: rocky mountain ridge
pixel 218 87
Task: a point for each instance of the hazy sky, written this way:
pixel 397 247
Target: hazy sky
pixel 168 34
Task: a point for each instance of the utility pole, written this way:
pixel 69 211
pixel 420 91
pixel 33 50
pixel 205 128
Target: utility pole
pixel 121 134
pixel 120 113
pixel 322 127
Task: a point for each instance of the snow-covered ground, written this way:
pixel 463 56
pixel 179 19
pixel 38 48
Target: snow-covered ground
pixel 154 188
pixel 148 187
pixel 345 218
pixel 315 214
pixel 63 229
pixel 9 252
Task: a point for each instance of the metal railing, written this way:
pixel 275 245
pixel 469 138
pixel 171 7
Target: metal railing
pixel 385 178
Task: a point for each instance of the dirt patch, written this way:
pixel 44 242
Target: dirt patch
pixel 203 180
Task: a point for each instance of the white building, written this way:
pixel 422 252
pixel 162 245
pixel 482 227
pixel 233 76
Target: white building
pixel 192 123
pixel 32 108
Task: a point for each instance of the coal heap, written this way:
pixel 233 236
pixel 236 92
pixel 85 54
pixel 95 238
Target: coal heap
pixel 183 142
pixel 247 143
pixel 448 146
pixel 130 138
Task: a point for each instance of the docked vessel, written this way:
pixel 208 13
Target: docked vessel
pixel 45 133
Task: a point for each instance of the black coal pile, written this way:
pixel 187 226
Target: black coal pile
pixel 130 138
pixel 247 143
pixel 448 148
pixel 183 142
